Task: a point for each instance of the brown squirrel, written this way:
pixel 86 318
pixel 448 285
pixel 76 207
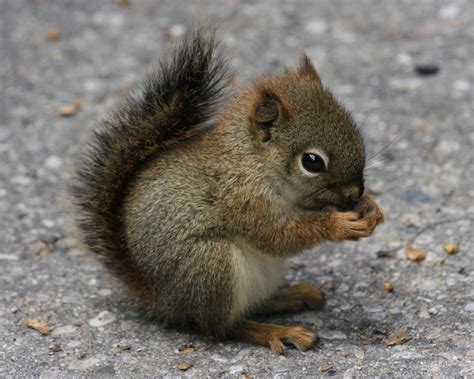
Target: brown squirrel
pixel 196 210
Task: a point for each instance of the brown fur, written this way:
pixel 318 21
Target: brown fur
pixel 166 196
pixel 294 298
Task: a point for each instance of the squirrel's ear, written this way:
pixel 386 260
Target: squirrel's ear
pixel 306 68
pixel 267 107
pixel 268 110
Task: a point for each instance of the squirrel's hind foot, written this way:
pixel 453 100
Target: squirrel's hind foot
pixel 276 335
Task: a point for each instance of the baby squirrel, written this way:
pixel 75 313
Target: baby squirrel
pixel 196 211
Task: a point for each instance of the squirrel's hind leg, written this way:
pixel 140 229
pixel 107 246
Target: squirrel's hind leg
pixel 276 335
pixel 294 298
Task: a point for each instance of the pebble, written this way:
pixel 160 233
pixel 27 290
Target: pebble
pixel 218 358
pixel 8 257
pixel 63 330
pixel 447 146
pixel 449 11
pixel 423 313
pixel 342 288
pixel 84 364
pixel 236 369
pixel 21 180
pixel 48 223
pixel 462 85
pixel 102 319
pixel 176 31
pixel 316 27
pixel 373 308
pixel 426 69
pixel 104 372
pixel 4 134
pixel 450 282
pixel 105 292
pixel 404 59
pixel 469 307
pixel 359 353
pixel 53 162
pixel 419 197
pixel 405 85
pixel 331 334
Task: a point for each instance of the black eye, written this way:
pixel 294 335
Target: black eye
pixel 313 163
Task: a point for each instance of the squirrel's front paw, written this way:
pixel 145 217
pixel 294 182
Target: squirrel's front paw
pixel 359 223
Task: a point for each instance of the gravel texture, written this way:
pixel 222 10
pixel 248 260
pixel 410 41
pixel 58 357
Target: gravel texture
pixel 378 57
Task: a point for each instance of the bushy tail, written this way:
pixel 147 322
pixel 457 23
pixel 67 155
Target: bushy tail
pixel 180 95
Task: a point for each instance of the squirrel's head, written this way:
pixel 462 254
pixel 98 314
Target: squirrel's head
pixel 306 140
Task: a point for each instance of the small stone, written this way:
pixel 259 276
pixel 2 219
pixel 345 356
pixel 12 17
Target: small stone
pixel 385 254
pixel 42 249
pixel 48 223
pixel 54 348
pixel 373 308
pixel 43 327
pixel 433 311
pixel 54 33
pixel 70 109
pixel 316 27
pixel 236 369
pixel 84 364
pixel 414 254
pixel 425 69
pixel 451 248
pixel 123 3
pixel 53 162
pixel 469 307
pixel 186 350
pixel 449 11
pixel 63 330
pixel 342 288
pixel 124 346
pixel 104 372
pixel 332 334
pixel 183 366
pixel 388 286
pixel 21 180
pixel 462 86
pixel 105 292
pixel 326 367
pixel 8 257
pixel 423 313
pixel 177 31
pixel 102 319
pixel 359 353
pixel 218 358
pixel 397 337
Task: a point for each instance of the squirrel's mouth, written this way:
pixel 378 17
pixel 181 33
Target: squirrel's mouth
pixel 347 206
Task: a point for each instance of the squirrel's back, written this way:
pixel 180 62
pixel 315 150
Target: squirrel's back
pixel 177 98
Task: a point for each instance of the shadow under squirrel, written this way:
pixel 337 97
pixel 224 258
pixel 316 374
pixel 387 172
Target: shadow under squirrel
pixel 195 204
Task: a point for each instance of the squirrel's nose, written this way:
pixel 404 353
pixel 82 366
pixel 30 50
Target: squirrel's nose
pixel 353 192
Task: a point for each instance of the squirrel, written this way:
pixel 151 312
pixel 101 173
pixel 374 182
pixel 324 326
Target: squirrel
pixel 195 198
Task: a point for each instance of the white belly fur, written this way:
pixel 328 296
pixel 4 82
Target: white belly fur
pixel 257 276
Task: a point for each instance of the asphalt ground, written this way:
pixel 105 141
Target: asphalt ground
pixel 404 69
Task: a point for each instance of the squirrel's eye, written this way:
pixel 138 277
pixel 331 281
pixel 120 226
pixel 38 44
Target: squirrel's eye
pixel 313 163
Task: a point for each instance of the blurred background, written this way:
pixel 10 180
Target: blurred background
pixel 405 70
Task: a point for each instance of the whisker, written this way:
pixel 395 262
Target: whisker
pixel 397 139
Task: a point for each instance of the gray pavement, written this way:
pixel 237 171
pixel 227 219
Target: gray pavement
pixel 366 51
